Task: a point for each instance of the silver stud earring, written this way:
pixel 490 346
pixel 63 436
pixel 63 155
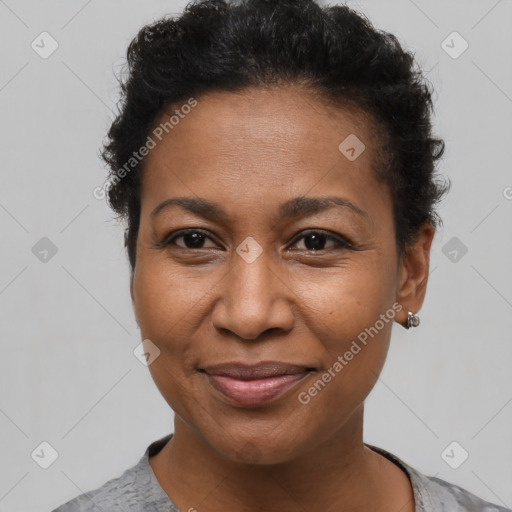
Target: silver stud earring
pixel 412 320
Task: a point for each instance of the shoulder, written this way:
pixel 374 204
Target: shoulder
pixel 135 488
pixel 114 495
pixel 433 494
pixel 438 494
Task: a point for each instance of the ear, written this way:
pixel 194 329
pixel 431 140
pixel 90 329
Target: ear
pixel 413 273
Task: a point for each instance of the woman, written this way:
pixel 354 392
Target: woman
pixel 275 165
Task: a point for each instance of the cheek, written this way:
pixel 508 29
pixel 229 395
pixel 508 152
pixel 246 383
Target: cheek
pixel 353 359
pixel 161 307
pixel 167 298
pixel 171 304
pixel 164 303
pixel 341 303
pixel 351 316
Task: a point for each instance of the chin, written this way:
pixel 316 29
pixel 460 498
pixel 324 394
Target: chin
pixel 262 448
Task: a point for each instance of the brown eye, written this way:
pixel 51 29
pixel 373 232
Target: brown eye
pixel 192 239
pixel 316 241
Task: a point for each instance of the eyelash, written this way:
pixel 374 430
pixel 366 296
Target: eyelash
pixel 341 242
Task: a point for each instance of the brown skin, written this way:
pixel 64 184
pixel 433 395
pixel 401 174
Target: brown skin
pixel 206 305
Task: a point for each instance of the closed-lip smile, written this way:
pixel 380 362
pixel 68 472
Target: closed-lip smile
pixel 254 385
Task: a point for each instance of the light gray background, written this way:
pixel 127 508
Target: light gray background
pixel 68 373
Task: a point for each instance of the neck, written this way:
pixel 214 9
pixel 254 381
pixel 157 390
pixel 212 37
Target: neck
pixel 341 474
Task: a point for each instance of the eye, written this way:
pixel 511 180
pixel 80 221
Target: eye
pixel 192 239
pixel 315 240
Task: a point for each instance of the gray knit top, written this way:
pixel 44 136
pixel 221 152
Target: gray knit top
pixel 137 489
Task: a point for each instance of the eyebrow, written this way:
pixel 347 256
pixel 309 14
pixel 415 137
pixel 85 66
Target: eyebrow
pixel 297 207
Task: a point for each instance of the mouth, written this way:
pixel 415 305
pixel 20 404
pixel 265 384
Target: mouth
pixel 254 385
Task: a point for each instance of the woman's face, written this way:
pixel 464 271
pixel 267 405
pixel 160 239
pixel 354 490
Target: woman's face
pixel 269 271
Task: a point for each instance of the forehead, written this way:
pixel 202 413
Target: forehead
pixel 260 144
pixel 286 118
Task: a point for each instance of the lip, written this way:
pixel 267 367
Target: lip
pixel 253 385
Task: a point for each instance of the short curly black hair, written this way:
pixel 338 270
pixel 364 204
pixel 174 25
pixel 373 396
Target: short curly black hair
pixel 217 45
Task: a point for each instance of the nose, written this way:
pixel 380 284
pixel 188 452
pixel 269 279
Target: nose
pixel 254 299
